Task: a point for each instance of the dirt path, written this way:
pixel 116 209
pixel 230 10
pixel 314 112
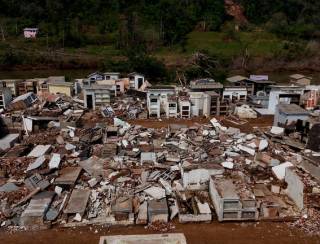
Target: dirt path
pixel 214 233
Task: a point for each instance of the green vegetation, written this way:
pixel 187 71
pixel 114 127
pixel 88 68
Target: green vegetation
pixel 146 34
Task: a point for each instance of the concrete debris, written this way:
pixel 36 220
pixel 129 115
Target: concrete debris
pixel 36 181
pixel 39 150
pixel 78 202
pixel 68 176
pixel 156 192
pixel 37 163
pixel 68 165
pixel 8 187
pixel 8 141
pixel 280 170
pixel 247 150
pixel 263 144
pixel 245 112
pixel 58 190
pixel 93 165
pixel 55 161
pixel 77 217
pixel 227 165
pixel 277 130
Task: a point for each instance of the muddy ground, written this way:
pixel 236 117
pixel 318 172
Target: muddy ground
pixel 215 233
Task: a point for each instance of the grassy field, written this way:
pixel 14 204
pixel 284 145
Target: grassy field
pixel 257 43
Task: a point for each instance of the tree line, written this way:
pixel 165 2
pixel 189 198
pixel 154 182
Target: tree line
pixel 154 22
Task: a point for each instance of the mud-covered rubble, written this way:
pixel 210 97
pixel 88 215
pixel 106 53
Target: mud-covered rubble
pixel 114 173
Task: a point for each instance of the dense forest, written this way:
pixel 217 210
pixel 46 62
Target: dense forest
pixel 162 22
pixel 143 26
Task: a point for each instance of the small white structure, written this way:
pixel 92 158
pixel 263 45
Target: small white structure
pixel 30 32
pixel 136 80
pixel 185 107
pixel 235 93
pixel 157 99
pixel 172 107
pixel 287 113
pixel 12 84
pixel 154 105
pixel 111 75
pixel 97 95
pixel 284 94
pixel 200 103
pixel 96 76
pixel 116 85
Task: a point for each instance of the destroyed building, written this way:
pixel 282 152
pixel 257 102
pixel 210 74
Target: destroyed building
pixel 71 164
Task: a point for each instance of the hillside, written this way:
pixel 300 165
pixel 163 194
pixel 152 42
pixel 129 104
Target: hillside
pixel 238 34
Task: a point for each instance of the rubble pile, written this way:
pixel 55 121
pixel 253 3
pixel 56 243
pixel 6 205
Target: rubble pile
pixel 115 173
pixel 310 222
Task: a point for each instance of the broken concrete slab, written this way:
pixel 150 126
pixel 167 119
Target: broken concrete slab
pixel 217 125
pixel 92 182
pixel 37 163
pixel 231 131
pixel 93 165
pixel 118 122
pixel 33 215
pixel 52 214
pixel 295 189
pixel 142 218
pixel 156 192
pixel 68 176
pixel 280 170
pixel 77 202
pixel 277 130
pixel 311 168
pixel 58 190
pixel 8 141
pixel 39 150
pixel 122 206
pixel 70 147
pixel 147 157
pixel 158 211
pixel 55 161
pixel 8 187
pixel 263 144
pixel 247 149
pixel 36 181
pixel 227 165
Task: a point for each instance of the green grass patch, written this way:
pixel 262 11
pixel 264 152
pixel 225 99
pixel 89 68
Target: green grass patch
pixel 257 43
